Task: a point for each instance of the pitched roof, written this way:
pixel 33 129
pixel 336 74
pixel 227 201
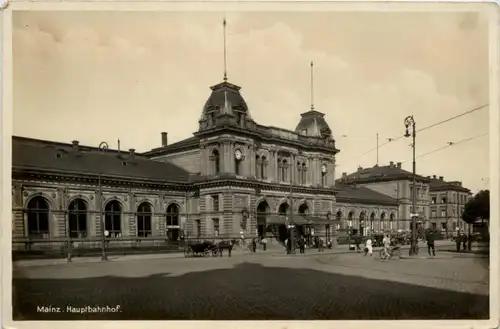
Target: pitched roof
pixel 439 184
pixel 361 194
pixel 376 173
pixel 180 145
pixel 53 156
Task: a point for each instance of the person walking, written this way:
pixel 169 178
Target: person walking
pixel 357 242
pixel 464 242
pixel 254 245
pixel 430 237
pixel 302 245
pixel 458 241
pixel 386 241
pixel 369 247
pixel 264 243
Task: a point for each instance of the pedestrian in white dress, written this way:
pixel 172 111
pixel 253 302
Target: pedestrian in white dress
pixel 368 247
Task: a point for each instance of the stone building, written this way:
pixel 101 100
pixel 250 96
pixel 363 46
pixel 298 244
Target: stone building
pixel 396 183
pixel 233 177
pixel 448 199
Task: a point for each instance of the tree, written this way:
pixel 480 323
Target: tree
pixel 477 208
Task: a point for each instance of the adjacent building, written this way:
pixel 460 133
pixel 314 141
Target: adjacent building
pixel 448 199
pixel 397 184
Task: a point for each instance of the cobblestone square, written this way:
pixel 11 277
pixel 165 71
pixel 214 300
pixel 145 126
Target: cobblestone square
pixel 259 287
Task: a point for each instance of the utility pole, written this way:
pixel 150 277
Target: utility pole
pixel 377 149
pixel 291 223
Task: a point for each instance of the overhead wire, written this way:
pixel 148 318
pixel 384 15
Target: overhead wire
pixel 450 144
pixel 390 140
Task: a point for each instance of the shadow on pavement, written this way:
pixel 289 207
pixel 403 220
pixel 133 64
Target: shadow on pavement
pixel 246 292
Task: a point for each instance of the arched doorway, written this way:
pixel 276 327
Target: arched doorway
pixel 372 223
pixel 173 226
pixel 38 218
pixel 303 230
pixel 263 211
pixel 77 218
pixel 282 229
pixel 382 224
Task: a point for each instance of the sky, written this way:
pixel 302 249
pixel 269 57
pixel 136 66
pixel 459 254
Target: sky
pixel 104 76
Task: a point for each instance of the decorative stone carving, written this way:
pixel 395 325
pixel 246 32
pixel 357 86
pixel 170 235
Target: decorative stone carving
pixel 125 199
pixel 53 195
pixel 91 197
pixel 25 193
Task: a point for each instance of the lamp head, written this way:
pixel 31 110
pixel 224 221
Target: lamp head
pixel 407 133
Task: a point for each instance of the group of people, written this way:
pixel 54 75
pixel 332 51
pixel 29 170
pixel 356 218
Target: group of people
pixel 387 241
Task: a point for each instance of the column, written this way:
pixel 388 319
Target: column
pixel 130 228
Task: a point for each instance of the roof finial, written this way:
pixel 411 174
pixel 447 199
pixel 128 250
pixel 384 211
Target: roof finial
pixel 225 61
pixel 312 86
pixel 118 145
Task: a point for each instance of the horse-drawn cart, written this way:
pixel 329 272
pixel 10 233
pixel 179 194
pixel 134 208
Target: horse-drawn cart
pixel 203 249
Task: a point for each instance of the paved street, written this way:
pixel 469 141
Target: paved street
pixel 258 286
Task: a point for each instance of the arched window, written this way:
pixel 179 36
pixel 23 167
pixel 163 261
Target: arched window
pixel 144 220
pixel 303 172
pixel 284 171
pixel 350 216
pixel 303 209
pixel 372 220
pixel 237 167
pixel 299 173
pixel 173 226
pixel 258 172
pixel 283 209
pixel 382 218
pixel 263 165
pixel 113 219
pixel 38 218
pixel 215 158
pixel 324 175
pixel 77 218
pixel 391 220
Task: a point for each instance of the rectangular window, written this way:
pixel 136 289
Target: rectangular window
pixel 433 214
pixel 433 200
pixel 443 199
pixel 443 213
pixel 443 226
pixel 215 202
pixel 198 228
pixel 215 222
pixel 434 226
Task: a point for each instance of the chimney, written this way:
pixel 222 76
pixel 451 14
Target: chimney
pixel 429 177
pixel 344 175
pixel 459 183
pixel 132 154
pixel 391 164
pixel 360 168
pixel 75 145
pixel 398 165
pixel 434 176
pixel 441 177
pixel 164 139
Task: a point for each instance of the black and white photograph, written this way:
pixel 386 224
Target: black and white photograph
pixel 251 163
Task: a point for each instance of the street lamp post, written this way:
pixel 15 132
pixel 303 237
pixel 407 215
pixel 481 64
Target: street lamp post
pixel 410 121
pixel 103 147
pixel 291 225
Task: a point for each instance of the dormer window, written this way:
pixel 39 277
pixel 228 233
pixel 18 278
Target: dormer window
pixel 304 132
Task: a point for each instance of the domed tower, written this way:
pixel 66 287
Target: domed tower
pixel 225 106
pixel 312 122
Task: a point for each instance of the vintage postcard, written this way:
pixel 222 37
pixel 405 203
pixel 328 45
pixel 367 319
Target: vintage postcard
pixel 250 161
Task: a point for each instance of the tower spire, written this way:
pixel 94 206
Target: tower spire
pixel 312 86
pixel 225 61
